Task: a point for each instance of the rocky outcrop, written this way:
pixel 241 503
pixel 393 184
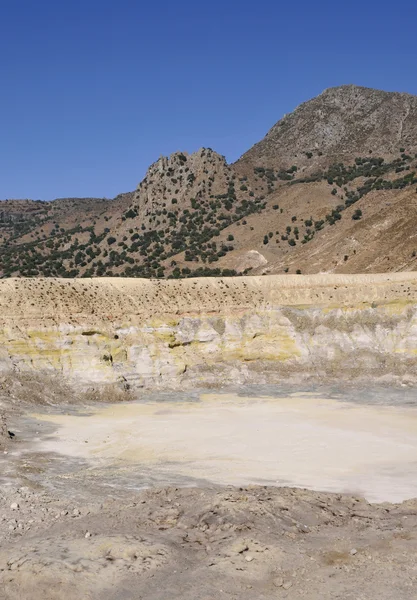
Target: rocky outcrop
pixel 250 260
pixel 171 182
pixel 197 332
pixel 341 123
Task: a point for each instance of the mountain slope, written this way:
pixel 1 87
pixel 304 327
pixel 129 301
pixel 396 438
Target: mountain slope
pixel 339 125
pixel 332 187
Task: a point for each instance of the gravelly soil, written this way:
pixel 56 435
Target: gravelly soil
pixel 197 543
pixel 204 543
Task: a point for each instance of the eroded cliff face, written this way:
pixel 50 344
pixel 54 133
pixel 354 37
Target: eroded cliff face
pixel 199 332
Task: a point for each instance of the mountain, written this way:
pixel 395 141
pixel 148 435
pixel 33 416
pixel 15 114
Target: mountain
pixel 331 188
pixel 339 125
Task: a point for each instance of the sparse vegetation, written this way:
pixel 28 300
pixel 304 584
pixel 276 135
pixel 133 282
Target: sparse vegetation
pixel 179 222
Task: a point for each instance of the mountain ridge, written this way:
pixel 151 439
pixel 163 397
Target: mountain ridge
pixel 326 169
pixel 362 103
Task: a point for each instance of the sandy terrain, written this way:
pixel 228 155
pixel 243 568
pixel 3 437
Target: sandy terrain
pixel 73 519
pixel 122 298
pixel 214 522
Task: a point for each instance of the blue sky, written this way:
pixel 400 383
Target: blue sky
pixel 93 91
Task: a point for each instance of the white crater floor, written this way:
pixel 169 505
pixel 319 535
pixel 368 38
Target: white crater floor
pixel 301 440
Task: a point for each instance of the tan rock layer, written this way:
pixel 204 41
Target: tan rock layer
pixel 210 331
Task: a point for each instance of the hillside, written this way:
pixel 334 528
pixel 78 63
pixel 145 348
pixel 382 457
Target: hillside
pixel 340 124
pixel 331 188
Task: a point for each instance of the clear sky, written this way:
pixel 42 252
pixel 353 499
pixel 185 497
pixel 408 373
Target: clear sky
pixel 93 91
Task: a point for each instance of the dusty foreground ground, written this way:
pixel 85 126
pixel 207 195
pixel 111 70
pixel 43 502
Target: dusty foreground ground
pixel 66 534
pixel 205 544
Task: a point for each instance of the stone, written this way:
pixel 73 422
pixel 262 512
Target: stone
pixel 239 547
pixel 250 260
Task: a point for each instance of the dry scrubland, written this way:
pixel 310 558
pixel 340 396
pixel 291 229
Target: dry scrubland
pixel 331 187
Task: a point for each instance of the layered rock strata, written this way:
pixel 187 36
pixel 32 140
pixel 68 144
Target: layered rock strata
pixel 198 332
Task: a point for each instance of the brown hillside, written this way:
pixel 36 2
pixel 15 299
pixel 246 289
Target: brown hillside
pixel 384 239
pixel 332 187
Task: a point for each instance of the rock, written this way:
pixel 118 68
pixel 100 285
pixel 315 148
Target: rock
pixel 239 547
pixel 278 582
pixel 14 506
pixel 287 585
pixel 249 558
pixel 353 551
pixel 250 260
pixel 3 431
pixel 76 512
pixel 254 336
pixel 87 535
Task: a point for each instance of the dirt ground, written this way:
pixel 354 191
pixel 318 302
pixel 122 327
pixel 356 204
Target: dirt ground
pixel 199 544
pixel 73 542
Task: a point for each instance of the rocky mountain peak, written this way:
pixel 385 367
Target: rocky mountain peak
pixel 174 180
pixel 342 123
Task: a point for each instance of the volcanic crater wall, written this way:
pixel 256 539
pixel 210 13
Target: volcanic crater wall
pixel 198 332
